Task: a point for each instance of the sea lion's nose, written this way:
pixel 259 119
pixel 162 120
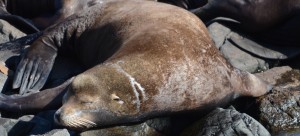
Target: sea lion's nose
pixel 57 117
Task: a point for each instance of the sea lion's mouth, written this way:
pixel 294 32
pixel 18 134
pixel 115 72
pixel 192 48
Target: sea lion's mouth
pixel 73 121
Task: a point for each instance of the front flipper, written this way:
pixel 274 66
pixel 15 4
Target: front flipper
pixel 35 67
pixel 45 100
pixel 36 63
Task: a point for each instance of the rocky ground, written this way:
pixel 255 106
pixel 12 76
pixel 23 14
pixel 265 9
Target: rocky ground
pixel 276 113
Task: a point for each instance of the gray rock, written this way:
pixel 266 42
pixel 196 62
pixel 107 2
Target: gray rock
pixel 56 132
pixel 3 131
pixel 25 125
pixel 273 75
pixel 9 32
pixel 226 122
pixel 161 125
pixel 223 29
pixel 219 33
pixel 280 110
pixel 289 79
pixel 148 128
pixel 240 59
pixel 15 127
pixel 41 126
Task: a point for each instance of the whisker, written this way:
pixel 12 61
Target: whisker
pixel 75 121
pixel 87 122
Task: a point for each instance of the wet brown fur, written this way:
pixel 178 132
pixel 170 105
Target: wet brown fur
pixel 143 59
pixel 254 15
pixel 168 53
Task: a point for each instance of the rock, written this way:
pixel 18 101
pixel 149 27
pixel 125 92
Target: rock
pixel 3 131
pixel 25 125
pixel 226 122
pixel 41 126
pixel 161 125
pixel 56 132
pixel 289 79
pixel 272 75
pixel 9 32
pixel 280 110
pixel 135 130
pixel 223 29
pixel 219 33
pixel 15 127
pixel 149 128
pixel 239 58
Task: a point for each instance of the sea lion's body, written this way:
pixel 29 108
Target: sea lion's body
pixel 141 64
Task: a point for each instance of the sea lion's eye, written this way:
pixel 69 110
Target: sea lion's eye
pixel 86 102
pixel 116 98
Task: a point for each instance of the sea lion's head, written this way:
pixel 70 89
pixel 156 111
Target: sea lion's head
pixel 96 100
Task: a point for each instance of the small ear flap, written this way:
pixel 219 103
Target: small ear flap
pixel 116 98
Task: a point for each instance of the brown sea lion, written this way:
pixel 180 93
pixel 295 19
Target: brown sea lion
pixel 141 64
pixel 254 16
pixel 186 4
pixel 17 21
pixel 44 13
pixel 266 23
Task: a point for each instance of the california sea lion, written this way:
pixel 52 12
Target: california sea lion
pixel 17 21
pixel 252 14
pixel 141 64
pixel 186 4
pixel 44 13
pixel 275 27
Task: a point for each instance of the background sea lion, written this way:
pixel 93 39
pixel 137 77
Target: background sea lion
pixel 19 22
pixel 141 64
pixel 44 13
pixel 186 4
pixel 252 14
pixel 261 37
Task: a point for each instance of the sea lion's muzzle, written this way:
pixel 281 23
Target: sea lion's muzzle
pixel 78 120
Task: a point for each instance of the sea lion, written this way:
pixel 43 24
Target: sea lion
pixel 43 13
pixel 252 14
pixel 140 64
pixel 274 29
pixel 17 21
pixel 186 4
